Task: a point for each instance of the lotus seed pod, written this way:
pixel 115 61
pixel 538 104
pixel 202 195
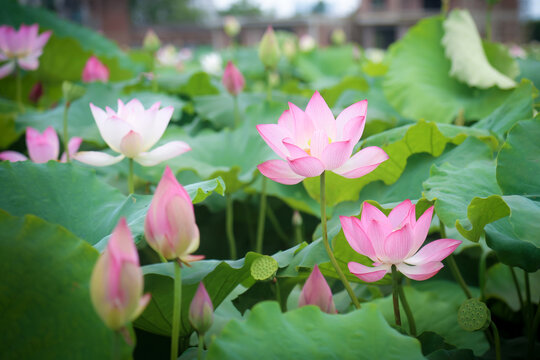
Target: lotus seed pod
pixel 474 315
pixel 264 268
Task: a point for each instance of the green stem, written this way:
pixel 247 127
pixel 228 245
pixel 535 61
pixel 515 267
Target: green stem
pixel 262 217
pixel 530 321
pixel 201 346
pixel 408 312
pixel 518 289
pixel 269 88
pixel 229 226
pixel 327 245
pixel 117 345
pixel 532 335
pixel 457 275
pixel 176 310
pixel 497 341
pixel 154 75
pixel 488 22
pixel 131 184
pixel 18 90
pixel 275 223
pixel 482 275
pixel 395 295
pixel 66 149
pixel 299 237
pixel 236 112
pixel 278 294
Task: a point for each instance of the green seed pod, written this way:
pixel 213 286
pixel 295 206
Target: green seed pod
pixel 264 268
pixel 474 315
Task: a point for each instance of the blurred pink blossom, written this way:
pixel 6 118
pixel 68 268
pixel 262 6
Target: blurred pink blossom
pixel 95 70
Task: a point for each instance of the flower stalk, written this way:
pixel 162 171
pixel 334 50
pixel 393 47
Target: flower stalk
pixel 229 226
pixel 18 90
pixel 262 218
pixel 333 260
pixel 200 349
pixel 408 312
pixel 395 295
pixel 131 182
pixel 177 307
pixel 65 139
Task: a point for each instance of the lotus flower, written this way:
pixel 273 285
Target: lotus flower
pixel 307 43
pixel 95 70
pixel 317 292
pixel 116 285
pixel 170 226
pixel 132 131
pixel 395 240
pixel 22 47
pixel 311 142
pixel 168 56
pixel 42 147
pixel 201 310
pixel 212 63
pixel 233 79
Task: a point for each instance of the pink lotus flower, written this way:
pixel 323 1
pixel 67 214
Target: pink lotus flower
pixel 233 79
pixel 317 292
pixel 395 240
pixel 116 285
pixel 42 147
pixel 311 142
pixel 132 131
pixel 95 70
pixel 201 310
pixel 22 47
pixel 170 226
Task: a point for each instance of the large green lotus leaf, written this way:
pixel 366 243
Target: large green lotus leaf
pixel 45 300
pixel 75 198
pixel 499 284
pixel 232 155
pixel 518 106
pixel 418 78
pixel 518 167
pixel 500 58
pixel 332 94
pixel 198 84
pixel 453 186
pixel 434 305
pixel 399 144
pixel 308 333
pixel 530 69
pixel 515 238
pixel 480 212
pixel 220 278
pixel 463 46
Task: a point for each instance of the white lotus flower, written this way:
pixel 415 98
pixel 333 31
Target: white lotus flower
pixel 131 132
pixel 212 63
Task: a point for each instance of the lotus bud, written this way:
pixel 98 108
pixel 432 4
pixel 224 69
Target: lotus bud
pixel 233 79
pixel 42 147
pixel 95 70
pixel 72 91
pixel 151 41
pixel 290 48
pixel 201 310
pixel 317 292
pixel 36 93
pixel 269 52
pixel 231 26
pixel 338 37
pixel 116 286
pixel 297 218
pixel 307 43
pixel 170 227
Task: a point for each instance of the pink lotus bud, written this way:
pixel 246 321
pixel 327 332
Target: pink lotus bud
pixel 116 285
pixel 42 147
pixel 170 227
pixel 233 79
pixel 201 310
pixel 317 292
pixel 36 92
pixel 95 70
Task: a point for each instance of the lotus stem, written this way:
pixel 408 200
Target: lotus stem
pixel 176 310
pixel 236 112
pixel 275 223
pixel 518 289
pixel 229 219
pixel 451 261
pixel 278 294
pixel 327 245
pixel 117 345
pixel 497 340
pixel 532 335
pixel 408 312
pixel 262 217
pixel 201 346
pixel 65 137
pixel 482 275
pixel 18 89
pixel 131 183
pixel 395 295
pixel 298 233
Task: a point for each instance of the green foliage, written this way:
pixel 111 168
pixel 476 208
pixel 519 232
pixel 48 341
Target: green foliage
pixel 309 333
